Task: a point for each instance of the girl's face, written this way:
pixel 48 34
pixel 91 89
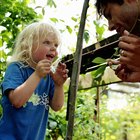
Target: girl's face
pixel 45 48
pixel 121 17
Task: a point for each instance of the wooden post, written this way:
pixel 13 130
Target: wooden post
pixel 76 72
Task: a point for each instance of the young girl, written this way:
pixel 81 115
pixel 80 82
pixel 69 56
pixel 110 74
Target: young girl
pixel 29 87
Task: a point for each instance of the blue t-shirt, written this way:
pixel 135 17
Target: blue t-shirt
pixel 28 122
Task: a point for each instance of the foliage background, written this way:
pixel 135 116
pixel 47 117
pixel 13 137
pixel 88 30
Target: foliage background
pixel 122 124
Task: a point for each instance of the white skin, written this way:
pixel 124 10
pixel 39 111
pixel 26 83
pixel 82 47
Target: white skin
pixel 122 18
pixel 43 56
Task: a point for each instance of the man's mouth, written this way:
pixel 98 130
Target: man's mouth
pixel 120 30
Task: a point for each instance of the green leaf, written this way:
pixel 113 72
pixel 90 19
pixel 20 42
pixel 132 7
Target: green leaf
pixel 86 36
pixel 69 29
pixel 99 30
pixel 74 19
pixel 43 11
pixel 99 72
pixel 38 7
pixel 99 60
pixel 54 20
pixel 52 124
pixel 51 3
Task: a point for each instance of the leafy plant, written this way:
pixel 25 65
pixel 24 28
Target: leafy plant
pixel 13 18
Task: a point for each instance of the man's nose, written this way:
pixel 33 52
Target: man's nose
pixel 111 26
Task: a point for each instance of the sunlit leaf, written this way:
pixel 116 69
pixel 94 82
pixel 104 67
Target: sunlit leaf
pixel 43 11
pixel 51 3
pixel 69 29
pixel 99 72
pixel 99 60
pixel 52 124
pixel 74 19
pixel 38 7
pixel 54 20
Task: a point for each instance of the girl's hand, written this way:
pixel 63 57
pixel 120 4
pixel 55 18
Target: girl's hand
pixel 60 75
pixel 43 68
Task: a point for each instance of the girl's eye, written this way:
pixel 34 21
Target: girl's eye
pixel 56 45
pixel 46 42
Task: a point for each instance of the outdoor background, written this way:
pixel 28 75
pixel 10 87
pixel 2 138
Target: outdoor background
pixel 103 111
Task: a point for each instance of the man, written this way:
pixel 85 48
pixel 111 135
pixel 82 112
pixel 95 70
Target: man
pixel 123 16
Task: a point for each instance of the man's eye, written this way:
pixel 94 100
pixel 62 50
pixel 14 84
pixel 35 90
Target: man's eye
pixel 108 16
pixel 46 42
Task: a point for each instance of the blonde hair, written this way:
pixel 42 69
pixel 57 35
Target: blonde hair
pixel 24 41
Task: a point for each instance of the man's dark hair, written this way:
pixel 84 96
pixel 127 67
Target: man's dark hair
pixel 100 3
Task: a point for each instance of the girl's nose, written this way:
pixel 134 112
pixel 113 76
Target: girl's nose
pixel 53 48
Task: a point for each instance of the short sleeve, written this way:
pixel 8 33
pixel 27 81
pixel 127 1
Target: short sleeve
pixel 13 77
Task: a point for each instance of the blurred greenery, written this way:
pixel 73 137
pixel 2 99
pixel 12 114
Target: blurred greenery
pixel 14 16
pixel 117 124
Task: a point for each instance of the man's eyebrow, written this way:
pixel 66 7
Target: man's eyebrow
pixel 102 11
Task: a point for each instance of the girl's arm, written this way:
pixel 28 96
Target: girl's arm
pixel 59 78
pixel 58 98
pixel 22 93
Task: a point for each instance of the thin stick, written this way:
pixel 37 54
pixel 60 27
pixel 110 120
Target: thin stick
pixel 75 72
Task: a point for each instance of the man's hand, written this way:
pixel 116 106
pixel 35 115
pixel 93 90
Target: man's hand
pixel 127 74
pixel 130 46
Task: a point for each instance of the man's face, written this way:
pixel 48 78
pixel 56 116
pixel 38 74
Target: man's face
pixel 121 17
